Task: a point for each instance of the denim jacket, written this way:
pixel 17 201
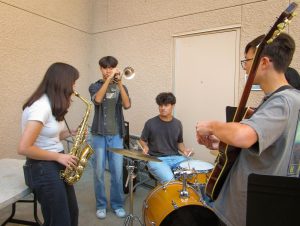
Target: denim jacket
pixel 98 125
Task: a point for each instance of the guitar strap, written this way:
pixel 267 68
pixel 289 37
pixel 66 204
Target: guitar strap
pixel 269 95
pixel 294 163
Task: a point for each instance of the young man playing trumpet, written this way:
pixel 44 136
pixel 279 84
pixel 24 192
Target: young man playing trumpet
pixel 109 96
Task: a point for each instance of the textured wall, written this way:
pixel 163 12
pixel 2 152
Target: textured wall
pixel 35 33
pixel 32 38
pixel 140 33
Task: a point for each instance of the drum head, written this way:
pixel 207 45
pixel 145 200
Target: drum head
pixel 192 215
pixel 197 165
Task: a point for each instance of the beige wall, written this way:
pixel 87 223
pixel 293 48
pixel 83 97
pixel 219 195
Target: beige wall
pixel 35 33
pixel 140 33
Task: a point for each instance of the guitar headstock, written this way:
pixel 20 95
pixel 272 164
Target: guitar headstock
pixel 282 22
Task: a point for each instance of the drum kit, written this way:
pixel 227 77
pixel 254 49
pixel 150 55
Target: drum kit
pixel 178 202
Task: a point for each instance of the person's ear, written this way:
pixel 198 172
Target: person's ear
pixel 265 62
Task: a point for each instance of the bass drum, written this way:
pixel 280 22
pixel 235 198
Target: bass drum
pixel 165 207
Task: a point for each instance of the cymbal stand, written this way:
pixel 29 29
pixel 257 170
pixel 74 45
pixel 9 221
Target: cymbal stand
pixel 131 175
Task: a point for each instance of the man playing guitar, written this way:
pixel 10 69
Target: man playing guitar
pixel 265 138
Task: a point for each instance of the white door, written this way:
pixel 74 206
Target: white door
pixel 205 74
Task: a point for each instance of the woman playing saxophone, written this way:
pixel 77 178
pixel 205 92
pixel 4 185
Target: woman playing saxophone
pixel 42 132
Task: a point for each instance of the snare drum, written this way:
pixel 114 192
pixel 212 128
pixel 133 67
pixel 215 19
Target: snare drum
pixel 202 171
pixel 165 206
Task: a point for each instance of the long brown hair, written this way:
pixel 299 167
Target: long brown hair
pixel 57 84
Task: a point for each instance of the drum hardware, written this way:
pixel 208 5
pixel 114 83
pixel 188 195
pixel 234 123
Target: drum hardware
pixel 137 155
pixel 174 205
pixel 184 194
pixel 131 175
pixel 145 204
pixel 184 175
pixel 165 185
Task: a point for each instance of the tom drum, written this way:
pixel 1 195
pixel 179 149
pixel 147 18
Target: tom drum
pixel 202 171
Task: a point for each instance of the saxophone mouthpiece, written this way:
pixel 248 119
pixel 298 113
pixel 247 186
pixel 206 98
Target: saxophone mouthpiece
pixel 76 93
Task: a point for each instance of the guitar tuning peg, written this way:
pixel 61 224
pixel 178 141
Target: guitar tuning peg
pixel 287 21
pixel 278 32
pixel 280 26
pixel 270 41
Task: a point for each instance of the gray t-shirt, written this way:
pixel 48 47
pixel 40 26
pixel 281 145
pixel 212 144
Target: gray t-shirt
pixel 275 124
pixel 162 137
pixel 111 98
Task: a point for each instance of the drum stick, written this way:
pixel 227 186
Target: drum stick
pixel 191 153
pixel 139 144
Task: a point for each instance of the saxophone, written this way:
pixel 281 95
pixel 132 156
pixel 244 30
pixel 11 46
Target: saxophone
pixel 81 149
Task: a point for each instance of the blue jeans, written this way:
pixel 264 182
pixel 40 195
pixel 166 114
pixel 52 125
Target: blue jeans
pixel 57 198
pixel 115 161
pixel 162 171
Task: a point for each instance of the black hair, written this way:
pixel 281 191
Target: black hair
pixel 293 78
pixel 280 51
pixel 165 98
pixel 108 61
pixel 254 43
pixel 58 85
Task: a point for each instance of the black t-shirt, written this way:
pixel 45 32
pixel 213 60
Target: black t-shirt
pixel 162 137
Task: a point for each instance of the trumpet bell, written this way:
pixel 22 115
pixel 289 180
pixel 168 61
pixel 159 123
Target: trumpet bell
pixel 128 73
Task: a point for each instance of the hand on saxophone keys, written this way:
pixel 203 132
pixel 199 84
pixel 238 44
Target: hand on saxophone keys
pixel 69 161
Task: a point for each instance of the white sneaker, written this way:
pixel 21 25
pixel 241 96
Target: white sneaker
pixel 101 213
pixel 120 212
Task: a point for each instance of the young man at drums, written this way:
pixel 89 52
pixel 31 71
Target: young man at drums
pixel 162 138
pixel 266 137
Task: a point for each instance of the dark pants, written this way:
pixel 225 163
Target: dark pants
pixel 57 199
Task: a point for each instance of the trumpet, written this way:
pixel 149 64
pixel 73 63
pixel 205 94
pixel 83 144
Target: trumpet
pixel 128 73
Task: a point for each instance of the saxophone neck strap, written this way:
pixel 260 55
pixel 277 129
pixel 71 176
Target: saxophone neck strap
pixel 68 129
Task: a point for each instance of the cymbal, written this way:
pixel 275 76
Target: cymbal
pixel 134 154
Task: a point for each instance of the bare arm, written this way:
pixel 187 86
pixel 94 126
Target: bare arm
pixel 145 147
pixel 27 147
pixel 125 98
pixel 65 134
pixel 185 151
pixel 232 133
pixel 101 92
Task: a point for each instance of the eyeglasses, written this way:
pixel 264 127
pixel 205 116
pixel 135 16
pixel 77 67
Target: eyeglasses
pixel 243 62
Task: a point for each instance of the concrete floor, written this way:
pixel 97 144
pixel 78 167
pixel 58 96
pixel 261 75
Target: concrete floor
pixel 86 202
